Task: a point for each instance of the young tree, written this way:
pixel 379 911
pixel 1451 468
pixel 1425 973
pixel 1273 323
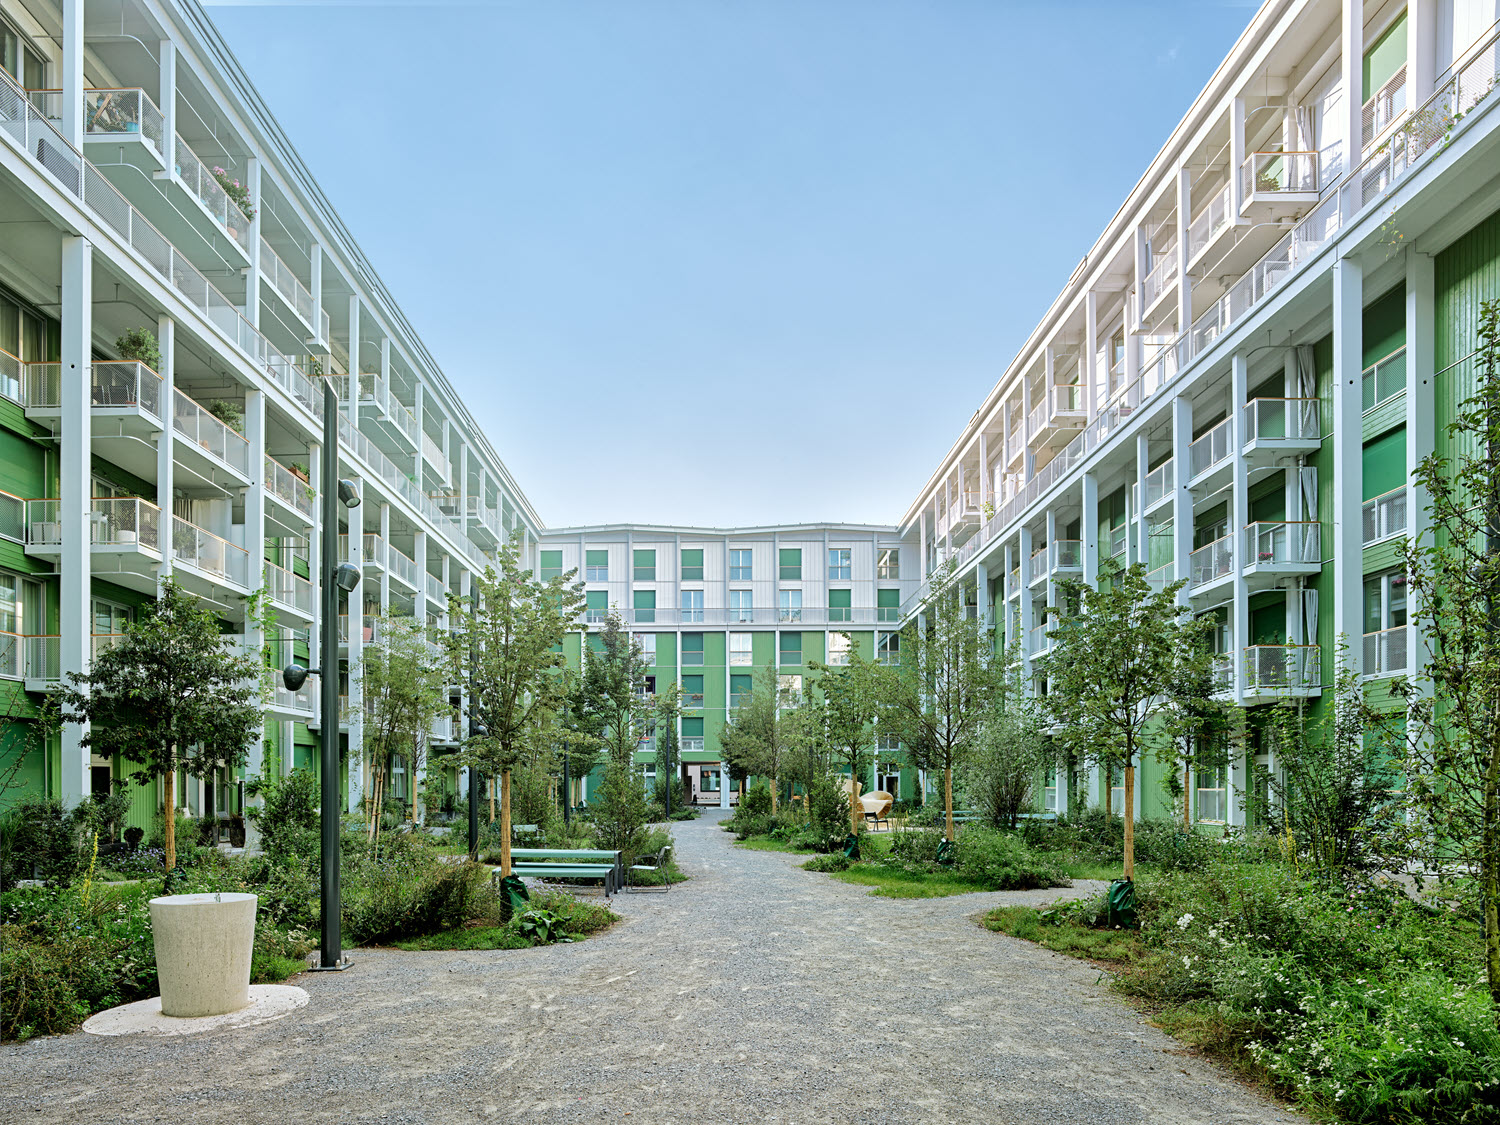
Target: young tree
pixel 1201 716
pixel 850 693
pixel 755 738
pixel 1012 751
pixel 937 699
pixel 1117 651
pixel 405 691
pixel 1453 708
pixel 172 695
pixel 668 751
pixel 610 700
pixel 506 645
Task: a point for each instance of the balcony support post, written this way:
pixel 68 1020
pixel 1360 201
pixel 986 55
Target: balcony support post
pixel 1421 423
pixel 1184 285
pixel 1028 617
pixel 1182 502
pixel 1348 450
pixel 1142 464
pixel 385 569
pixel 166 92
pixel 166 344
pixel 982 589
pixel 1239 506
pixel 316 289
pixel 252 278
pixel 419 556
pixel 1089 363
pixel 984 473
pixel 1352 57
pixel 1236 159
pixel 1090 529
pixel 255 538
pixel 1421 54
pixel 72 77
pixel 74 456
pixel 351 397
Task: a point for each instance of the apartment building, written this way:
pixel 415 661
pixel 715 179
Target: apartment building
pixel 124 130
pixel 713 607
pixel 1236 381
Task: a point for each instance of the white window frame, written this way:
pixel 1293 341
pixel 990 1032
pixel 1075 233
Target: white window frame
pixel 741 571
pixel 838 648
pixel 789 605
pixel 888 564
pixel 691 603
pixel 741 650
pixel 741 607
pixel 840 564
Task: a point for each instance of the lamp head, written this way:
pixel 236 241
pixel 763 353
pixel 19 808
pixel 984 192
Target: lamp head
pixel 294 676
pixel 349 493
pixel 346 577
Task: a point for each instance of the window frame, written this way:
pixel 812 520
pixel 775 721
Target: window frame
pixel 786 612
pixel 741 564
pixel 888 564
pixel 840 564
pixel 789 571
pixel 592 571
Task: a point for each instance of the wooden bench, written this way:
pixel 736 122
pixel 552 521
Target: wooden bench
pixel 567 863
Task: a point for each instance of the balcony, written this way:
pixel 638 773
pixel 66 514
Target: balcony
pixel 1036 566
pixel 1058 416
pixel 1276 427
pixel 1210 226
pixel 210 447
pixel 1066 555
pixel 124 536
pixel 1159 284
pixel 1160 578
pixel 1037 641
pixel 1278 185
pixel 393 420
pixel 1385 652
pixel 484 524
pixel 1384 380
pixel 432 453
pixel 367 629
pixel 1384 516
pixel 293 510
pixel 126 116
pixel 1210 567
pixel 1014 588
pixel 209 555
pixel 33 659
pixel 402 568
pixel 289 591
pixel 1385 108
pixel 126 392
pixel 1282 671
pixel 208 198
pixel 1159 485
pixel 299 703
pixel 436 591
pixel 1208 459
pixel 1274 551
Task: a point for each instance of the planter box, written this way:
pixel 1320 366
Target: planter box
pixel 203 947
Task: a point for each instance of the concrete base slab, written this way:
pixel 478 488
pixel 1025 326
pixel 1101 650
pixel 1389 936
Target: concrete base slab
pixel 267 1002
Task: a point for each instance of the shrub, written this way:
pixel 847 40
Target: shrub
pixel 916 845
pixel 1001 862
pixel 38 840
pixel 835 861
pixel 288 817
pixel 402 897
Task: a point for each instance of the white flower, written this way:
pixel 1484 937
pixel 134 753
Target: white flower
pixel 1185 921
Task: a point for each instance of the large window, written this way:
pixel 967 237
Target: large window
pixel 647 641
pixel 740 566
pixel 791 648
pixel 838 648
pixel 741 685
pixel 550 564
pixel 888 564
pixel 887 605
pixel 644 604
pixel 692 691
pixel 692 649
pixel 692 607
pixel 692 564
pixel 791 564
pixel 1117 790
pixel 888 648
pixel 20 61
pixel 1385 624
pixel 790 688
pixel 692 733
pixel 839 606
pixel 741 606
pixel 596 606
pixel 1049 790
pixel 1210 772
pixel 790 608
pixel 644 566
pixel 739 649
pixel 596 566
pixel 839 566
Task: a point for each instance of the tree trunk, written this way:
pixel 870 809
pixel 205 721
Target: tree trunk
pixel 854 808
pixel 1129 814
pixel 948 799
pixel 775 791
pixel 1187 799
pixel 505 812
pixel 1490 866
pixel 504 823
pixel 169 823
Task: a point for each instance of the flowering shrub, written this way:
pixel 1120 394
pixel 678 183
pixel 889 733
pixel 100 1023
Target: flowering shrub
pixel 236 191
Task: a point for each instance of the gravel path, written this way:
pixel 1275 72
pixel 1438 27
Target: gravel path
pixel 754 993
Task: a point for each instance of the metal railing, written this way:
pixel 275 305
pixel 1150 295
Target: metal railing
pixel 286 282
pixel 1279 173
pixel 1288 419
pixel 1385 107
pixel 198 425
pixel 1066 399
pixel 289 488
pixel 288 589
pixel 1383 380
pixel 1162 277
pixel 401 566
pixel 202 183
pixel 1268 543
pixel 1212 562
pixel 113 522
pixel 1385 515
pixel 374 389
pixel 1209 450
pixel 1065 554
pixel 1385 651
pixel 1209 221
pixel 125 112
pixel 115 382
pixel 12 378
pixel 436 591
pixel 1160 578
pixel 1291 668
pixel 1159 483
pixel 209 553
pixel 283 700
pixel 1037 641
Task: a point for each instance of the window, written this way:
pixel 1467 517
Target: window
pixel 109 617
pixel 596 566
pixel 741 608
pixel 647 641
pixel 20 61
pixel 596 644
pixel 645 566
pixel 596 607
pixel 888 563
pixel 644 604
pixel 692 564
pixel 551 565
pixel 791 606
pixel 710 781
pixel 791 563
pixel 790 688
pixel 740 567
pixel 692 607
pixel 740 688
pixel 887 605
pixel 888 648
pixel 692 691
pixel 739 648
pixel 838 649
pixel 838 606
pixel 692 732
pixel 839 568
pixel 1384 379
pixel 1385 624
pixel 692 649
pixel 1049 790
pixel 1210 774
pixel 1117 790
pixel 791 648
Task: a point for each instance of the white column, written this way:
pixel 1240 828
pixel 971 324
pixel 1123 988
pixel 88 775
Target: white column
pixel 316 287
pixel 75 509
pixel 1142 464
pixel 1239 501
pixel 385 570
pixel 1348 450
pixel 255 538
pixel 1182 503
pixel 72 73
pixel 1184 286
pixel 1088 364
pixel 167 103
pixel 1421 53
pixel 420 608
pixel 1090 528
pixel 419 407
pixel 984 471
pixel 1352 69
pixel 351 396
pixel 252 276
pixel 166 344
pixel 1027 622
pixel 982 588
pixel 1421 427
pixel 1236 156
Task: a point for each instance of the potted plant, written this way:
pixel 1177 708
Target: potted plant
pixel 139 345
pixel 237 192
pixel 232 414
pixel 299 470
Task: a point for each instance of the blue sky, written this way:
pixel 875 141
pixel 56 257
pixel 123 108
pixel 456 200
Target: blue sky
pixel 727 261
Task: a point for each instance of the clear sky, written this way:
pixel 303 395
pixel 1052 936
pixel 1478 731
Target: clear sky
pixel 727 261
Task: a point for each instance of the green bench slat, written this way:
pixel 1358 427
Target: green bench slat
pixel 563 853
pixel 562 870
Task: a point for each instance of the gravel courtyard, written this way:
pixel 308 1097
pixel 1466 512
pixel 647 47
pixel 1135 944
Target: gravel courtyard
pixel 755 993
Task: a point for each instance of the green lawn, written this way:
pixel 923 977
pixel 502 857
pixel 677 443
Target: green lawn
pixel 891 882
pixel 768 844
pixel 479 937
pixel 1114 947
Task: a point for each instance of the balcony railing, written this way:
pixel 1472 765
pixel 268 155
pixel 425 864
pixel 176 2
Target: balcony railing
pixel 289 589
pixel 1279 173
pixel 209 553
pixel 1067 399
pixel 29 657
pixel 1037 640
pixel 113 522
pixel 1209 450
pixel 1385 107
pixel 1282 668
pixel 1273 543
pixel 436 591
pixel 1209 221
pixel 1066 554
pixel 1212 562
pixel 1383 380
pixel 400 566
pixel 374 390
pixel 1161 278
pixel 112 383
pixel 12 378
pixel 1385 652
pixel 1385 515
pixel 127 112
pixel 289 488
pixel 284 700
pixel 213 436
pixel 1160 578
pixel 285 282
pixel 198 179
pixel 1159 483
pixel 1286 419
